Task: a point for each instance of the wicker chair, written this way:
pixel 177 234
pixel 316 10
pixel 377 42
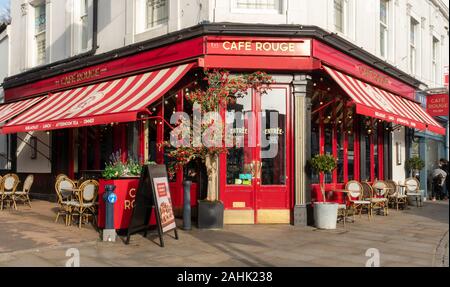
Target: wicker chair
pixel 64 207
pixel 413 190
pixel 23 195
pixel 8 186
pixel 380 199
pixel 395 198
pixel 85 204
pixel 355 193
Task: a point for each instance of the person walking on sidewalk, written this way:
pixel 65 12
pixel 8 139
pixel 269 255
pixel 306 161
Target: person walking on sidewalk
pixel 445 167
pixel 438 177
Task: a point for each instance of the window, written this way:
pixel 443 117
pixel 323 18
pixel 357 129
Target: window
pixel 434 60
pixel 340 15
pixel 258 4
pixel 84 24
pixel 157 12
pixel 40 33
pixel 413 27
pixel 384 25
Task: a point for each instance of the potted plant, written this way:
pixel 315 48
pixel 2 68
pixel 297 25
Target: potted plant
pixel 325 213
pixel 209 97
pixel 414 165
pixel 124 176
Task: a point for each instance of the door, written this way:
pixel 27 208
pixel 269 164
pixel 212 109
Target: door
pixel 255 173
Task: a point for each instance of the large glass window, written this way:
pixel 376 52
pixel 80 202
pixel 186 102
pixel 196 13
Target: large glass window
pixel 384 28
pixel 157 12
pixel 40 33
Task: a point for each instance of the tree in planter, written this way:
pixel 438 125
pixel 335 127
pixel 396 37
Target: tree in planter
pixel 209 97
pixel 323 163
pixel 414 165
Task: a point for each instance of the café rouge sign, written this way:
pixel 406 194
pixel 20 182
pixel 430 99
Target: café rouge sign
pixel 256 47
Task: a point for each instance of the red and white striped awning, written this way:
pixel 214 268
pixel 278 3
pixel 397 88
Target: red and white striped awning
pixel 103 103
pixel 9 111
pixel 378 103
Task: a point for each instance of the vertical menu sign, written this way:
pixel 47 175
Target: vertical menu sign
pixel 164 203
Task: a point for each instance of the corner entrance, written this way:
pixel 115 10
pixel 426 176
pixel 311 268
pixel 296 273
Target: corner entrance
pixel 254 175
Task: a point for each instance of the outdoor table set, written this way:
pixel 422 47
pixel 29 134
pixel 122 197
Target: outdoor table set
pixel 377 197
pixel 10 195
pixel 76 199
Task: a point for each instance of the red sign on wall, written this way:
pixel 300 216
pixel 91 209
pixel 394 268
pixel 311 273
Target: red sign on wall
pixel 437 105
pixel 258 46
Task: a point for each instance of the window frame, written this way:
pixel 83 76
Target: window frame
pixel 38 33
pixel 276 11
pixel 344 16
pixel 435 59
pixel 385 29
pixel 413 47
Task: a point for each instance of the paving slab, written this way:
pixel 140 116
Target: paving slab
pixel 413 237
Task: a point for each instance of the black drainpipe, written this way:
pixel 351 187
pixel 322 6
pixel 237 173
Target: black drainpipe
pixel 79 56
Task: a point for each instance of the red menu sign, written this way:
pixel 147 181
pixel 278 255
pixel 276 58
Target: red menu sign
pixel 437 105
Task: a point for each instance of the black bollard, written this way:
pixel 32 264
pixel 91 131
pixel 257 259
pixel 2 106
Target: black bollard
pixel 109 197
pixel 187 205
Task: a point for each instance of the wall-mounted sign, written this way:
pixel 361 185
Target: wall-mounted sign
pixel 82 76
pixel 258 47
pixel 437 105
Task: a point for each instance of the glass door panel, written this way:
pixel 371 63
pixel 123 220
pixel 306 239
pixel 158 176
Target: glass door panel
pixel 240 158
pixel 273 121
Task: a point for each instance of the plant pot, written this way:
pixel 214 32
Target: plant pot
pixel 210 214
pixel 325 215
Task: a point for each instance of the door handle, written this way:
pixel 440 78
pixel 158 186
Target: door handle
pixel 258 169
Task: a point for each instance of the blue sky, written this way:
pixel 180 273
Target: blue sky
pixel 4 3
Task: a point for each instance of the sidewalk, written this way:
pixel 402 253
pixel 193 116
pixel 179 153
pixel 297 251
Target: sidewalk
pixel 414 237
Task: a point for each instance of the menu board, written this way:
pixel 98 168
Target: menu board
pixel 164 202
pixel 153 198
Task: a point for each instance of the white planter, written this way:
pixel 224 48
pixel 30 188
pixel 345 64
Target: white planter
pixel 325 215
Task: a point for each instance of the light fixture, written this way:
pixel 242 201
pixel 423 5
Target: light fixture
pixel 321 79
pixel 321 103
pixel 328 89
pixel 314 84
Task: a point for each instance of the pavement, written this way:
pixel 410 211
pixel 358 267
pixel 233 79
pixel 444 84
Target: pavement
pixel 412 237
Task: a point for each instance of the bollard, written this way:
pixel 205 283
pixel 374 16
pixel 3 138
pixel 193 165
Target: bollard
pixel 187 205
pixel 109 197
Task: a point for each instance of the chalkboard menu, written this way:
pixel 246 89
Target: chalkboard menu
pixel 153 194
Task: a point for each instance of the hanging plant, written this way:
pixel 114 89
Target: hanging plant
pixel 216 90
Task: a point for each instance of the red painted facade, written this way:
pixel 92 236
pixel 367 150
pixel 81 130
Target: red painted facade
pixel 277 55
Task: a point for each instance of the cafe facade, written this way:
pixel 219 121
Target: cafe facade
pixel 328 96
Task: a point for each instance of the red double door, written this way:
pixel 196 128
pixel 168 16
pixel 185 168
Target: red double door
pixel 255 182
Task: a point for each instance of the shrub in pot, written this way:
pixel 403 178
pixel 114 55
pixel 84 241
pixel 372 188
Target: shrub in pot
pixel 325 213
pixel 414 165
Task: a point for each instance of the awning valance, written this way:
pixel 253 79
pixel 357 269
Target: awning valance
pixel 381 104
pixel 10 110
pixel 103 103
